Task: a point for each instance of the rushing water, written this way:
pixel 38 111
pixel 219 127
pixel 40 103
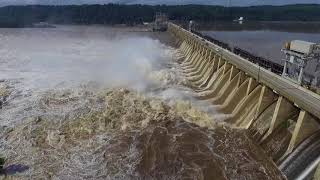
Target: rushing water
pixel 104 103
pixel 34 61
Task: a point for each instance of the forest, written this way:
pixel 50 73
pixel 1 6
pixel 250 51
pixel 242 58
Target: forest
pixel 110 14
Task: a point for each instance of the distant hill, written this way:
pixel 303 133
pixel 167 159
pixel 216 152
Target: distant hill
pixel 242 3
pixel 22 16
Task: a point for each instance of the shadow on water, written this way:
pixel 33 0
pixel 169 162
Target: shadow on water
pixel 11 169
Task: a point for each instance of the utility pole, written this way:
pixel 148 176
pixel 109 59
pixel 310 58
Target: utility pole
pixel 230 8
pixel 229 3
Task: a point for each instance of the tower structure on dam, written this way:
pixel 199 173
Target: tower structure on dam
pixel 161 22
pixel 278 114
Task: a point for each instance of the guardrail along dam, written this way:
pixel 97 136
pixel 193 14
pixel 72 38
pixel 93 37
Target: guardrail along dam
pixel 117 103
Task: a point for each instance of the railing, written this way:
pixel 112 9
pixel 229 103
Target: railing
pixel 274 67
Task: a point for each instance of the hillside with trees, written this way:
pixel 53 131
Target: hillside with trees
pixel 22 16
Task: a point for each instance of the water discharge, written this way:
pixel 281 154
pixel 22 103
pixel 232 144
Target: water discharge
pixel 104 103
pixel 33 63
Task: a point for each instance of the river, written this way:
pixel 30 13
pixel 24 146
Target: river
pixel 264 39
pixel 93 102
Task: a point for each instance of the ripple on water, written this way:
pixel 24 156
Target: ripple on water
pixel 133 137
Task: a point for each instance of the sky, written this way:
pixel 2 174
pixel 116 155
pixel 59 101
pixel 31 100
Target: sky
pixel 169 2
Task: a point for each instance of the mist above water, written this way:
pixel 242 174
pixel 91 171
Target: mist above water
pixel 45 59
pixel 35 62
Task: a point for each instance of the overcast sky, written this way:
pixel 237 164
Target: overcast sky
pixel 211 2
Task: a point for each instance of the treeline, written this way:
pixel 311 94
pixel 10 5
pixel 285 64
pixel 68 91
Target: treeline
pixel 21 16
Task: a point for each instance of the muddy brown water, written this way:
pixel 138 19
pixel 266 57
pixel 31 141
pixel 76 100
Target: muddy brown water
pixel 179 150
pixel 102 103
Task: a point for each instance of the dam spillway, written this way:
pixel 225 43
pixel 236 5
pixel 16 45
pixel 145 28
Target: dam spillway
pixel 59 121
pixel 281 116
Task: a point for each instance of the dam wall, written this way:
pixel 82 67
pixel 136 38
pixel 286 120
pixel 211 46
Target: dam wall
pixel 277 113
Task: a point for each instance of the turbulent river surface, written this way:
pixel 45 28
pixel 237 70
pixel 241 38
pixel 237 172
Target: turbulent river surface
pixel 81 102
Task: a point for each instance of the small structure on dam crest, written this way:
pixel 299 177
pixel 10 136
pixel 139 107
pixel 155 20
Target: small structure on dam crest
pixel 298 55
pixel 161 22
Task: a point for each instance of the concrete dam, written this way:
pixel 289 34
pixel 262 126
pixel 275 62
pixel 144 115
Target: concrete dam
pixel 279 115
pixel 98 102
